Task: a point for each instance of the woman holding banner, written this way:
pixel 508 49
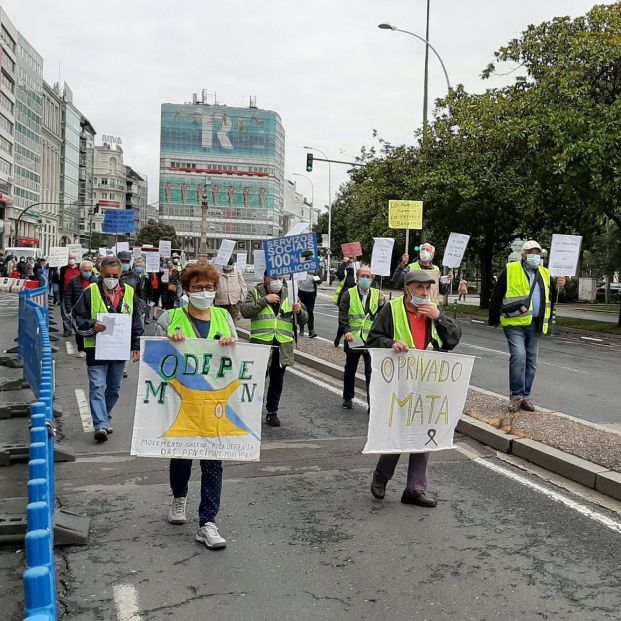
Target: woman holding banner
pixel 411 321
pixel 199 319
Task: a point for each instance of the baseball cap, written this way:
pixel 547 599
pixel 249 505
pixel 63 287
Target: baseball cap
pixel 530 244
pixel 418 276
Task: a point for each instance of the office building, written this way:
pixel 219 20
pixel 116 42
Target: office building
pixel 224 161
pixel 297 208
pixel 85 179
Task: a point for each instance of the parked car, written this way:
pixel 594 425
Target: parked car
pixel 615 292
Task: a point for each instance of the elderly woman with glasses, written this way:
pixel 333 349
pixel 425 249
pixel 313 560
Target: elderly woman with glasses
pixel 198 319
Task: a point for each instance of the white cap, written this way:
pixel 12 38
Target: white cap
pixel 530 244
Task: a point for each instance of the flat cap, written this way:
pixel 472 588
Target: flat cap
pixel 418 276
pixel 124 255
pixel 530 245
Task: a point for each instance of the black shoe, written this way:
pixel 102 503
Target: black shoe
pixel 413 497
pixel 347 404
pixel 101 435
pixel 272 419
pixel 124 374
pixel 378 488
pixel 312 334
pixel 110 430
pixel 337 341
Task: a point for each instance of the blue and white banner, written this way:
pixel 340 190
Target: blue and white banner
pixel 118 221
pixel 291 254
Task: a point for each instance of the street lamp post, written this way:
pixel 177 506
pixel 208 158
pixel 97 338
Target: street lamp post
pixel 312 196
pixel 329 211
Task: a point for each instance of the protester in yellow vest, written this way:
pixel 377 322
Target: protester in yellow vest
pixel 346 275
pixel 424 262
pixel 412 321
pixel 198 319
pixel 105 377
pixel 272 323
pixel 521 303
pixel 357 310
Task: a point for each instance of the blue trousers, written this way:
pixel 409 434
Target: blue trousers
pixel 211 485
pixel 523 349
pixel 104 387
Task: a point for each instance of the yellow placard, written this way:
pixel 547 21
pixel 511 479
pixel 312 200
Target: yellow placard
pixel 405 214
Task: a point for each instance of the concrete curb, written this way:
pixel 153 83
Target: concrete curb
pixel 584 472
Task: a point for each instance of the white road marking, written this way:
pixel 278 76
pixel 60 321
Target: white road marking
pixel 69 347
pixel 553 495
pixel 328 387
pixel 326 315
pixel 126 601
pixel 84 410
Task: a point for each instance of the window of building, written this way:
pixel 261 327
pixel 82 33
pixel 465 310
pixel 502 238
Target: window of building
pixel 104 181
pixel 5 124
pixel 6 146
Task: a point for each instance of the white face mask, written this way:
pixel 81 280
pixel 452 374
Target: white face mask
pixel 202 299
pixel 416 301
pixel 275 286
pixel 425 255
pixel 533 260
pixel 111 283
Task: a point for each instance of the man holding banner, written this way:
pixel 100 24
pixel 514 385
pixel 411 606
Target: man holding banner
pixel 357 310
pixel 272 323
pixel 521 303
pixel 411 321
pixel 199 319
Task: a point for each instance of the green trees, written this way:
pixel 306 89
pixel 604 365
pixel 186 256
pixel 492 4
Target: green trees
pixel 154 231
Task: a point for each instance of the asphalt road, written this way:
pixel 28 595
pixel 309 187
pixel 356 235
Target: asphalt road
pixel 306 539
pixel 573 376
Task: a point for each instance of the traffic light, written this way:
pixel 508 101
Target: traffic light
pixel 309 162
pixel 416 248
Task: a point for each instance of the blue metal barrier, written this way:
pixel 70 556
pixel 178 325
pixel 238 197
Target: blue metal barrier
pixel 36 352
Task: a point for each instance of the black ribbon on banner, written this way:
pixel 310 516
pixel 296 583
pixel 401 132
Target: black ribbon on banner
pixel 432 434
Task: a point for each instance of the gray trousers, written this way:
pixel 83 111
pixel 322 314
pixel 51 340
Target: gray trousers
pixel 417 469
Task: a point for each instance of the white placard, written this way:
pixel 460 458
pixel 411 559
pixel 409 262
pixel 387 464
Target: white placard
pixel 103 252
pixel 153 262
pixel 298 276
pixel 165 277
pixel 206 410
pixel 259 262
pixel 242 260
pixel 382 255
pixel 416 400
pixel 298 229
pixel 115 341
pixel 58 256
pixel 137 252
pixel 165 247
pixel 77 250
pixel 121 247
pixel 564 254
pixel 455 249
pixel 292 291
pixel 225 252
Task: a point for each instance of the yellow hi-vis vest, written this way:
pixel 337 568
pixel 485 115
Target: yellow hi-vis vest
pixel 518 288
pixel 359 322
pixel 339 288
pixel 99 306
pixel 266 326
pixel 435 273
pixel 401 326
pixel 179 318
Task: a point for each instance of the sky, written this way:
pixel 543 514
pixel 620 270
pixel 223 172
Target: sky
pixel 323 65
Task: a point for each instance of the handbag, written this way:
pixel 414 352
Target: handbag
pixel 519 307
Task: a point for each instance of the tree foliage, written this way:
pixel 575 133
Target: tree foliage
pixel 154 231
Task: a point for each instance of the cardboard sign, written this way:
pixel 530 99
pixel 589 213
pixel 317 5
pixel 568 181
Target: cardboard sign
pixel 199 400
pixel 405 214
pixel 564 254
pixel 382 255
pixel 153 262
pixel 225 252
pixel 165 247
pixel 352 249
pixel 77 250
pixel 59 256
pixel 259 262
pixel 296 229
pixel 291 254
pixel 416 400
pixel 121 247
pixel 102 252
pixel 455 249
pixel 242 260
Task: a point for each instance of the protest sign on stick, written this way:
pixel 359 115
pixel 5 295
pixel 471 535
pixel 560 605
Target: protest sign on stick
pixel 165 248
pixel 290 254
pixel 225 252
pixel 416 400
pixel 58 256
pixel 564 254
pixel 455 249
pixel 199 400
pixel 381 256
pixel 352 249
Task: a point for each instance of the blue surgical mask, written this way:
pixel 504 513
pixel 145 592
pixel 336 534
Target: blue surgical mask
pixel 533 260
pixel 416 301
pixel 138 270
pixel 364 283
pixel 125 267
pixel 86 274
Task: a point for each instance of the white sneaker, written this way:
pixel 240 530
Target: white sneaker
pixel 81 354
pixel 176 514
pixel 210 536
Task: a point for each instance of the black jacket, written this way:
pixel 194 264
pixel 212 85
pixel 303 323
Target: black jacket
pixel 73 292
pixel 85 326
pixel 142 285
pixel 345 270
pixel 383 331
pixel 344 326
pixel 499 291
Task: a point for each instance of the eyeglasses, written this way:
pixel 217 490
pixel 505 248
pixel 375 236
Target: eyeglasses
pixel 198 288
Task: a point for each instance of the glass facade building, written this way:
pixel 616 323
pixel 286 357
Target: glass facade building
pixel 227 161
